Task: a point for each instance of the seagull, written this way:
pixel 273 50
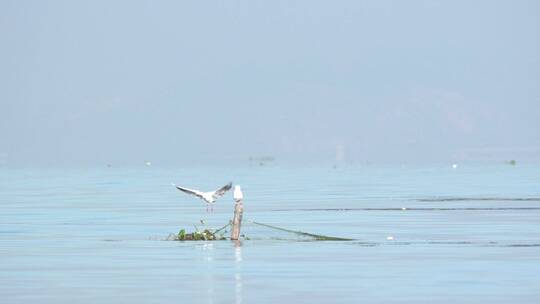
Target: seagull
pixel 209 197
pixel 237 194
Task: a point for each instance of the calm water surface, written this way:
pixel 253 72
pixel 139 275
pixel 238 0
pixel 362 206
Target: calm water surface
pixel 467 235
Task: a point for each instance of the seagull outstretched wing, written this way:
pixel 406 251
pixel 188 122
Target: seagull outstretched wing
pixel 219 192
pixel 197 193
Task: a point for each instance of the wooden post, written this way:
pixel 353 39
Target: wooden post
pixel 237 220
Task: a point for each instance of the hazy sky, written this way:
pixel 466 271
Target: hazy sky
pixel 97 82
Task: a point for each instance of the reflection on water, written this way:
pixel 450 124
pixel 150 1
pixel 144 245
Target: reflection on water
pixel 94 236
pixel 208 249
pixel 238 271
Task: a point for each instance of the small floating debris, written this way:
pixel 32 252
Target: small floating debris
pixel 390 238
pixel 147 163
pixel 454 166
pixel 511 162
pixel 403 208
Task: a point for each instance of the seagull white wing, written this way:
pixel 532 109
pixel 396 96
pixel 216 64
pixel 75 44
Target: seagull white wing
pixel 219 192
pixel 197 193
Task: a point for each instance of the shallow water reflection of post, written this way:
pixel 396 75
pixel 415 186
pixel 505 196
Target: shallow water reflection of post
pixel 210 279
pixel 237 273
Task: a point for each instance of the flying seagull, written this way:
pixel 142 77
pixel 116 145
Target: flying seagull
pixel 209 197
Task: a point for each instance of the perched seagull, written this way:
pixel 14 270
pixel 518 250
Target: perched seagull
pixel 209 197
pixel 237 194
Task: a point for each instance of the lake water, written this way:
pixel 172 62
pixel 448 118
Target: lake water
pixel 466 235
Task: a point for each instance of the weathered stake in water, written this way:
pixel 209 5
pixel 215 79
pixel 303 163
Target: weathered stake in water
pixel 237 219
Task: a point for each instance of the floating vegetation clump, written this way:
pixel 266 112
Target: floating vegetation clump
pixel 205 235
pixel 198 235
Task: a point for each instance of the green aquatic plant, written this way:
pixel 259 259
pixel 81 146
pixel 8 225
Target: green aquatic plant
pixel 182 234
pixel 205 235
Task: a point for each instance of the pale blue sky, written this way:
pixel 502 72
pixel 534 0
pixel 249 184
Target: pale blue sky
pixel 95 82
